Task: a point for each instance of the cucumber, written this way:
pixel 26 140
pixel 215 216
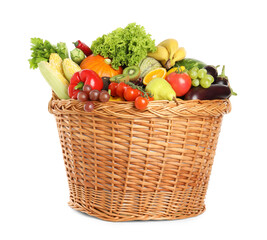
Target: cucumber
pixel 189 63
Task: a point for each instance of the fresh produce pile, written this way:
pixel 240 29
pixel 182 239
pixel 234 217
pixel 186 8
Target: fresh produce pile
pixel 126 65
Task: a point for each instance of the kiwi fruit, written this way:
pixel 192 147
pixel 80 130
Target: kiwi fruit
pixel 120 78
pixel 106 82
pixel 133 72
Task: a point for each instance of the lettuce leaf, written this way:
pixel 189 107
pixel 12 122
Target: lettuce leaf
pixel 125 47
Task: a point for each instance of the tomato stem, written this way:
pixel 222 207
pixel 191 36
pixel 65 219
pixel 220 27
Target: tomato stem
pixel 179 70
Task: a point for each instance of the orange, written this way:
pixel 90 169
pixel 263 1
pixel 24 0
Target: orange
pixel 156 73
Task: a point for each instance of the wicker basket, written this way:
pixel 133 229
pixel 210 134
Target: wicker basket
pixel 123 164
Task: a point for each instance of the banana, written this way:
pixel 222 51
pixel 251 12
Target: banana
pixel 166 63
pixel 160 54
pixel 168 52
pixel 171 45
pixel 178 55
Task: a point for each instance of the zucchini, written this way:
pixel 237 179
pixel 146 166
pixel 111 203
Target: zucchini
pixel 189 63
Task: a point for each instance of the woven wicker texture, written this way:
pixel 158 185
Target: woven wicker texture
pixel 123 164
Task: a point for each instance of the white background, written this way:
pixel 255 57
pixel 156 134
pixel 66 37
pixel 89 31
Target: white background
pixel 33 183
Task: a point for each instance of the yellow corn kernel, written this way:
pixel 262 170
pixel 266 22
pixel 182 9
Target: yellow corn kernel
pixel 60 76
pixel 69 68
pixel 56 61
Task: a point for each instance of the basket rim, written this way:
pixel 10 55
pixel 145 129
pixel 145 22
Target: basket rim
pixel 156 108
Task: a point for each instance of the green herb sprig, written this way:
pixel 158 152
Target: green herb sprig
pixel 41 50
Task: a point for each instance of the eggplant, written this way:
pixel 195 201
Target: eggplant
pixel 212 70
pixel 222 79
pixel 106 82
pixel 215 91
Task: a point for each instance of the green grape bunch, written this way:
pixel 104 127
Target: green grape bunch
pixel 200 77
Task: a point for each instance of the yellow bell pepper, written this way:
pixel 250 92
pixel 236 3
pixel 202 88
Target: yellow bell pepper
pixel 182 68
pixel 115 99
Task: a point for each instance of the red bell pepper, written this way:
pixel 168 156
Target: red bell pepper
pixel 81 78
pixel 86 50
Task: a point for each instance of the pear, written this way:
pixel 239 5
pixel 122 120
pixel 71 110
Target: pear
pixel 160 89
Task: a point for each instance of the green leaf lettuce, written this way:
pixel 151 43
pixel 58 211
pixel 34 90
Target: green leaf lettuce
pixel 125 47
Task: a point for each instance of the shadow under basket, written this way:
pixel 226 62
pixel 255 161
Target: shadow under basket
pixel 124 164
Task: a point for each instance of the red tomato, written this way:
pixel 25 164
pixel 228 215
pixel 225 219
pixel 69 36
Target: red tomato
pixel 180 82
pixel 141 102
pixel 150 98
pixel 121 88
pixel 113 87
pixel 131 94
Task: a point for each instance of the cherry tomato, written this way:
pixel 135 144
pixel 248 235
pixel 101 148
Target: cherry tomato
pixel 180 82
pixel 150 98
pixel 112 87
pixel 141 102
pixel 121 88
pixel 131 94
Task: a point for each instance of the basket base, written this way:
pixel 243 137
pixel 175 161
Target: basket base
pixel 118 206
pixel 103 216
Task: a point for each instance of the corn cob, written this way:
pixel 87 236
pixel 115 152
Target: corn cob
pixel 55 79
pixel 69 68
pixel 56 61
